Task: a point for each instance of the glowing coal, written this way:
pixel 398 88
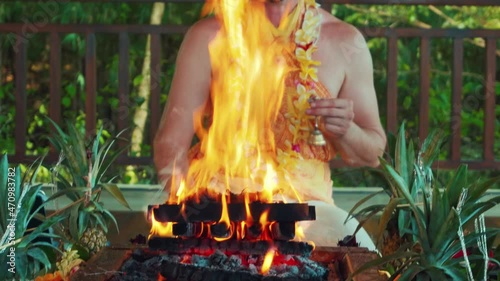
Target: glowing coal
pixel 217 266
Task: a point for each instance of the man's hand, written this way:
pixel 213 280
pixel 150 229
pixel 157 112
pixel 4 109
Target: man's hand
pixel 337 115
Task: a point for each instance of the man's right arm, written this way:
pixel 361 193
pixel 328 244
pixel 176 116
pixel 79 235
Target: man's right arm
pixel 188 94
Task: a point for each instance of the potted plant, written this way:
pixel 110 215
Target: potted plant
pixel 51 247
pixel 83 165
pixel 26 245
pixel 425 226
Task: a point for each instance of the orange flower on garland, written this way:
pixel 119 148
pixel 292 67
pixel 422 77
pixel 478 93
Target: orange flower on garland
pixel 305 39
pixel 56 276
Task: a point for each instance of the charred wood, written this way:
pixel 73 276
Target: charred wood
pixel 221 230
pixel 187 229
pixel 283 230
pixel 211 212
pixel 207 246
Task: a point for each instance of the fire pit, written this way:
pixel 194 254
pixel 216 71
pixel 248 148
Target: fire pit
pixel 237 237
pixel 217 266
pixel 205 238
pixel 113 264
pixel 234 214
pixel 246 236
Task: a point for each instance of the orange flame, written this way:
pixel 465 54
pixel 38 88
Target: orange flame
pixel 225 219
pixel 312 244
pixel 268 261
pixel 241 230
pixel 180 191
pixel 263 220
pixel 238 152
pixel 162 229
pixel 161 278
pixel 263 217
pixel 299 232
pixel 247 208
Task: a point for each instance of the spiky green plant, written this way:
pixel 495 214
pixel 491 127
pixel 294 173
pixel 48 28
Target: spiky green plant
pixel 84 164
pixel 24 252
pixel 427 220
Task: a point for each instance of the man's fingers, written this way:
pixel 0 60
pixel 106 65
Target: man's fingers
pixel 336 115
pixel 335 125
pixel 336 129
pixel 325 111
pixel 341 113
pixel 331 102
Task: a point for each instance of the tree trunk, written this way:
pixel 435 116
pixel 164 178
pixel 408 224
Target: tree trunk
pixel 141 113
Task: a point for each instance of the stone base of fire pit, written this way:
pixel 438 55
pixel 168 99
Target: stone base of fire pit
pixel 106 265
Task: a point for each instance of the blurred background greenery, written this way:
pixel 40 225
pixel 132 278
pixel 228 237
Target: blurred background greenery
pixel 73 81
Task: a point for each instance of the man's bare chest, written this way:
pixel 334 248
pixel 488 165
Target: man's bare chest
pixel 331 72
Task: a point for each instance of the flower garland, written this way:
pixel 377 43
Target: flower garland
pixel 306 38
pixel 306 44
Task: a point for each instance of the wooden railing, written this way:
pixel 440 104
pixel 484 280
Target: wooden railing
pixel 392 35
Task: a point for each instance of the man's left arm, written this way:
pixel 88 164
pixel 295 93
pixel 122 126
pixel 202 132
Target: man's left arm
pixel 351 121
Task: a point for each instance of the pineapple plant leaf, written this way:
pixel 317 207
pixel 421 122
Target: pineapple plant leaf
pixel 117 194
pixel 78 157
pixel 401 162
pixel 40 231
pixel 433 221
pixel 85 165
pixel 73 221
pixel 370 212
pixel 387 214
pixel 430 149
pixel 361 202
pixel 33 247
pixel 400 254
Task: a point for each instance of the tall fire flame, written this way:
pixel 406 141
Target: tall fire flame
pixel 238 152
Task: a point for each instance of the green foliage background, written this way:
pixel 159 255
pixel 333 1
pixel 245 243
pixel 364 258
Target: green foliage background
pixel 73 82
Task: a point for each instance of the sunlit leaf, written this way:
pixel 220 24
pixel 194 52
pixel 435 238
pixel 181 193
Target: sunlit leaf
pixel 116 193
pixel 361 202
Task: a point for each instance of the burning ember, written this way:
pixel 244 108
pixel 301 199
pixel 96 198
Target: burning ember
pixel 228 211
pixel 229 267
pixel 145 265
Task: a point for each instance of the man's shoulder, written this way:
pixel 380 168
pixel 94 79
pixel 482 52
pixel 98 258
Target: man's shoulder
pixel 207 24
pixel 336 30
pixel 205 28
